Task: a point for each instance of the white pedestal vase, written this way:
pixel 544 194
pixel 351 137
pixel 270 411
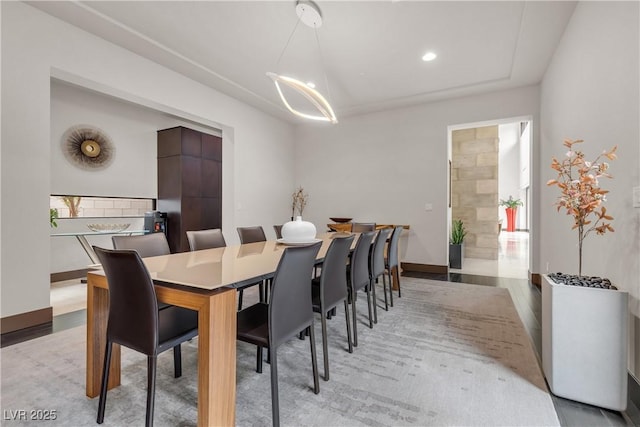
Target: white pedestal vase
pixel 298 231
pixel 584 343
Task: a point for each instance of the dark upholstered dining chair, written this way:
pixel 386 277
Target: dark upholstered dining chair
pixel 377 268
pixel 392 263
pixel 331 288
pixel 206 239
pixel 361 227
pixel 146 245
pixel 359 278
pixel 135 321
pixel 252 234
pixel 288 312
pixel 278 230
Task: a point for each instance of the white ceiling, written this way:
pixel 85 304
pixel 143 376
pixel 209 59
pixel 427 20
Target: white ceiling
pixel 369 51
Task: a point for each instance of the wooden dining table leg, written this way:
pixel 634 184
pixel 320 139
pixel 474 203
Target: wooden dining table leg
pixel 217 359
pixel 395 274
pixel 97 315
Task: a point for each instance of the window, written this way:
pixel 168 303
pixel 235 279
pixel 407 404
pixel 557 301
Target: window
pixel 88 206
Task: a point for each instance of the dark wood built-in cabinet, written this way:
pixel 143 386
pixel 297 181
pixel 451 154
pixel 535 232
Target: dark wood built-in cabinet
pixel 189 182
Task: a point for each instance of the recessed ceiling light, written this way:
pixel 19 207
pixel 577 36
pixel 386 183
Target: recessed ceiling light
pixel 312 85
pixel 429 56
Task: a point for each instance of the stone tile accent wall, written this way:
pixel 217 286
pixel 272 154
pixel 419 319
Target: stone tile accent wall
pixel 104 207
pixel 474 189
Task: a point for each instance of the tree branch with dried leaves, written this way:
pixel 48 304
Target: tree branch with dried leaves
pixel 298 201
pixel 580 192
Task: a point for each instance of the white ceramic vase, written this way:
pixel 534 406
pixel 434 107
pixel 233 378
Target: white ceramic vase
pixel 298 231
pixel 584 343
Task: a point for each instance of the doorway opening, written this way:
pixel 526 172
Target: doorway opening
pixel 490 163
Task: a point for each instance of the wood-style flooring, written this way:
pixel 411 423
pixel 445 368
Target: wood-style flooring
pixel 527 300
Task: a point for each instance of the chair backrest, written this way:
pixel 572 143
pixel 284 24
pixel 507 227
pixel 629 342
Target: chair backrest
pixel 133 307
pixel 146 245
pixel 377 253
pixel 333 281
pixel 361 227
pixel 278 230
pixel 360 261
pixel 251 234
pixel 290 307
pixel 392 252
pixel 206 239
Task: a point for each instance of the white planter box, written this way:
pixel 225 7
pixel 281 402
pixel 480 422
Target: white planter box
pixel 584 343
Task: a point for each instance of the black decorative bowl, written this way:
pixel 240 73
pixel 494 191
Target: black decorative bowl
pixel 341 220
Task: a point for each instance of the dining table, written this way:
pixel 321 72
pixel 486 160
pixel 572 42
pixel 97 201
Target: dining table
pixel 205 281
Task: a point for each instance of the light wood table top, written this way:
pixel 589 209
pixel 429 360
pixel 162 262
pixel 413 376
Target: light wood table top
pixel 232 266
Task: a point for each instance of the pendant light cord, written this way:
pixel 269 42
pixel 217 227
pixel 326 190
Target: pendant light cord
pixel 324 69
pixel 287 44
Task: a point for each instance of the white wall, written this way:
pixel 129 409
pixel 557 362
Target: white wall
pixel 36 46
pixel 590 92
pixel 386 166
pixel 132 130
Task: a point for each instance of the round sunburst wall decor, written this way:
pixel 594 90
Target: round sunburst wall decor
pixel 88 147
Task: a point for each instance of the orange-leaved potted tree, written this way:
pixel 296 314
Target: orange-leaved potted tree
pixel 580 192
pixel 584 326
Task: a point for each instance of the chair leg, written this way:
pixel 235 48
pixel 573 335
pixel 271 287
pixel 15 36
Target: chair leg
pixel 369 307
pixel 325 353
pixel 346 316
pixel 151 388
pixel 259 359
pixel 267 287
pixel 384 289
pixel 354 315
pixel 314 359
pixel 105 380
pixel 390 288
pixel 275 405
pixel 397 274
pixel 177 361
pixel 375 301
pixel 240 294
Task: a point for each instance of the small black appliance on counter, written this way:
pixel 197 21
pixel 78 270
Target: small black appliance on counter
pixel 155 222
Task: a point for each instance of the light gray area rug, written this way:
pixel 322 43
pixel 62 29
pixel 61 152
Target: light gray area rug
pixel 446 354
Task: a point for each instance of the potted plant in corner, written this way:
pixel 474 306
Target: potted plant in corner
pixel 511 208
pixel 456 244
pixel 584 319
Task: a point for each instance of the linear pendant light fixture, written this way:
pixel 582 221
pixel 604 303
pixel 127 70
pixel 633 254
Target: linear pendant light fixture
pixel 309 13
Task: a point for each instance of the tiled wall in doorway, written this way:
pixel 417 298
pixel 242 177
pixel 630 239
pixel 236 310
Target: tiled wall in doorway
pixel 474 189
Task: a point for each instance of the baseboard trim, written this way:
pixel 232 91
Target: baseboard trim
pixel 634 390
pixel 536 279
pixel 68 275
pixel 425 268
pixel 26 320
